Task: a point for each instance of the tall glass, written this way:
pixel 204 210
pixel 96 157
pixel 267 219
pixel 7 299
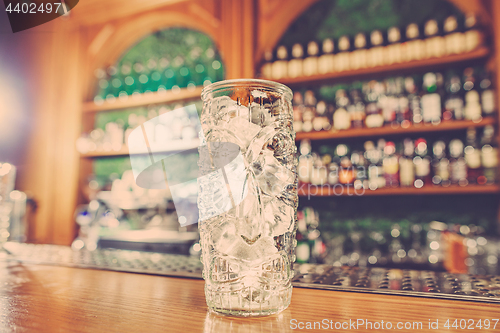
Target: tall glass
pixel 247 196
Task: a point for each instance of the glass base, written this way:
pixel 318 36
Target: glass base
pixel 248 302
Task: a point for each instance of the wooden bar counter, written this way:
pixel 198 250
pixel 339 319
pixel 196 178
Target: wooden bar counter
pixel 38 298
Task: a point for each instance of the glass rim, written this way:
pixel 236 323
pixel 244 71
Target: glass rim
pixel 235 83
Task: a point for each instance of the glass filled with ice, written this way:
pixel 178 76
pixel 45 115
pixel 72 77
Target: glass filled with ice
pixel 247 196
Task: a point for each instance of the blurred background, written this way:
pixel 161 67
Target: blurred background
pixel 395 109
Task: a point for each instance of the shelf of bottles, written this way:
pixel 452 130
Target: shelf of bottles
pixel 167 66
pixel 109 138
pixel 431 165
pixel 428 45
pixel 456 99
pixel 396 244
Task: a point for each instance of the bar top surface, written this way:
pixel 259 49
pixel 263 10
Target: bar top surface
pixel 39 298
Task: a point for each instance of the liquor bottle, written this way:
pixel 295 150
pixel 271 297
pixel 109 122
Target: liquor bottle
pixel 388 102
pixel 434 43
pixel 267 66
pixel 305 164
pixel 472 97
pixel 319 172
pixel 422 164
pixel 457 163
pixel 454 103
pixel 359 163
pixel 473 36
pixel 391 165
pixel 333 167
pixel 393 49
pixel 440 165
pixel 406 166
pixel 342 56
pixel 358 55
pixel 341 118
pixel 374 156
pixel 295 64
pixel 326 61
pixel 411 89
pixel 489 155
pixel 376 52
pixel 488 98
pixel 347 173
pixel 356 109
pixel 303 248
pixel 454 38
pixel 403 113
pixel 309 111
pixel 431 100
pixel 310 64
pixel 372 90
pixel 322 120
pixel 280 64
pixel 415 46
pixel 298 110
pixel 473 157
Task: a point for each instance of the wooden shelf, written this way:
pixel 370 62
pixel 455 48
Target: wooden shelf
pixel 451 125
pixel 480 53
pixel 144 99
pixel 327 191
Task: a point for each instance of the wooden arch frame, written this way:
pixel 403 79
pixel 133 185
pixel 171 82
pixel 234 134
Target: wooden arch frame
pixel 114 39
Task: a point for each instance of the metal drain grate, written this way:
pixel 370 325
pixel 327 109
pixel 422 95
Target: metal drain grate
pixel 400 282
pixel 108 259
pixel 368 280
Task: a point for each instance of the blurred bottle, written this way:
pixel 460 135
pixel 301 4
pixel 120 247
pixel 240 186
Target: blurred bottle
pixel 457 163
pixel 473 35
pixel 306 162
pixel 473 157
pixel 309 111
pixel 341 117
pixel 361 170
pixel 326 61
pixel 454 37
pixel 415 46
pixel 267 65
pixel 393 49
pixel 406 166
pixel 440 165
pixel 472 103
pixel 359 54
pixel 391 165
pixel 422 164
pixel 489 155
pixel 310 64
pixel 356 109
pixel 454 103
pixel 374 155
pixel 434 42
pixel 403 113
pixel 488 96
pixel 372 91
pixel 342 56
pixel 431 99
pixel 414 100
pixel 375 56
pixel 322 119
pixel 280 63
pixel 298 110
pixel 296 61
